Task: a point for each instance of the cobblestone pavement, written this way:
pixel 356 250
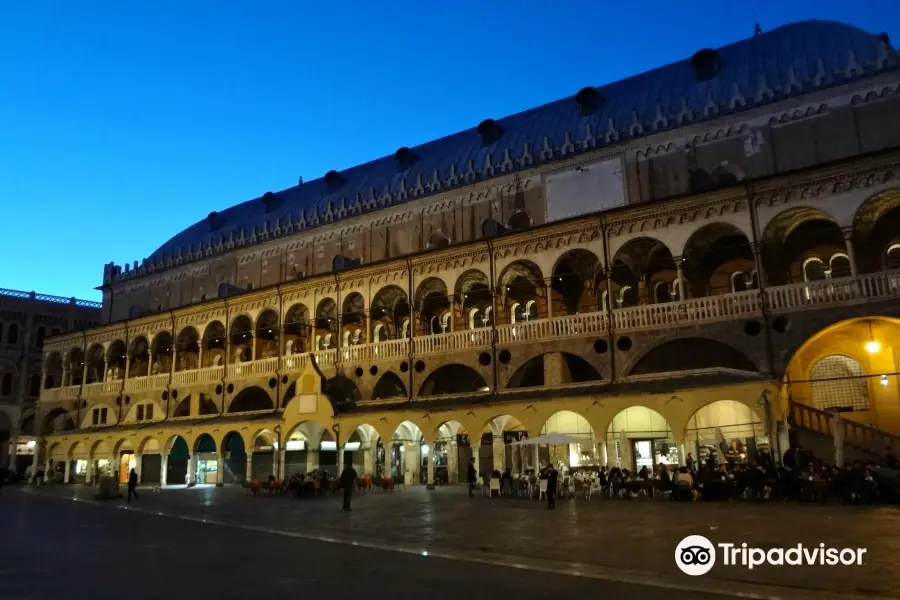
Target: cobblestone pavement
pixel 639 535
pixel 58 550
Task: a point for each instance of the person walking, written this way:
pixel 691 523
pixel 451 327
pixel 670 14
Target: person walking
pixel 471 476
pixel 552 477
pixel 132 485
pixel 348 482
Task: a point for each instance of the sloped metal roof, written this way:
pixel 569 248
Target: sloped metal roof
pixel 787 61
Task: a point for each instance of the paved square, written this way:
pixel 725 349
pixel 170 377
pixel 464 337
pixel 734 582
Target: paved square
pixel 638 535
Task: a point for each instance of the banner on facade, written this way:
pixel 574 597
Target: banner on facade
pixel 514 436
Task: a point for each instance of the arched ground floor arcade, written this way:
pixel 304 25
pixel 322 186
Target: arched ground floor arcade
pixel 649 425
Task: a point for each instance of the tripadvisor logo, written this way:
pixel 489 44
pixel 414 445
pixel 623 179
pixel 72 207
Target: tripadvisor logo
pixel 696 555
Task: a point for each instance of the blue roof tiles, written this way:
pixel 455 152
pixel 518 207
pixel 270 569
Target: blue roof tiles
pixel 751 72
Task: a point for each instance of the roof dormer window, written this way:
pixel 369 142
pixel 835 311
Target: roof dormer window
pixel 405 158
pixel 271 201
pixel 589 101
pixel 705 64
pixel 490 131
pixel 334 180
pixel 215 220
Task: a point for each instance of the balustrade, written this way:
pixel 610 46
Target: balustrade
pixel 453 342
pixel 264 366
pixel 797 296
pixel 693 310
pixel 856 434
pixel 148 382
pixel 205 375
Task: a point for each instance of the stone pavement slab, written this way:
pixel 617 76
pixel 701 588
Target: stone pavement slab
pixel 638 535
pixel 60 550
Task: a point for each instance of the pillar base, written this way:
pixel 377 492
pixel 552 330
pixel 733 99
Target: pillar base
pixel 192 484
pixel 220 485
pixel 430 486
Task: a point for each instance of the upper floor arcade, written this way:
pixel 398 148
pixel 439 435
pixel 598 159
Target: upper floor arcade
pixel 818 239
pixel 773 104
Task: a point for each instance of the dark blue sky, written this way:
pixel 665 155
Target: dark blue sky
pixel 122 123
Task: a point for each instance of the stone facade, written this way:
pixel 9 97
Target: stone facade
pixel 467 312
pixel 27 319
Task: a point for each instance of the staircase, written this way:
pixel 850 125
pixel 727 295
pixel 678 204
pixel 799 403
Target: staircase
pixel 813 428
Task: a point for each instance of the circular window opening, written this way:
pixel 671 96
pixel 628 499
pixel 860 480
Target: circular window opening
pixel 781 324
pixel 174 394
pixel 484 359
pixel 165 395
pixel 127 399
pixel 272 382
pixel 404 367
pixel 373 370
pixel 752 328
pixel 218 390
pixel 624 343
pixel 230 388
pixel 284 379
pixel 505 357
pixel 600 346
pixel 420 366
pixel 359 371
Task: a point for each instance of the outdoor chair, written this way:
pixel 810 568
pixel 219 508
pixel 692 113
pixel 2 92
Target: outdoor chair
pixel 542 487
pixel 495 487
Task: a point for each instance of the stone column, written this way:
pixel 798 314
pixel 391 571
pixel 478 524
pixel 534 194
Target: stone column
pixel 848 242
pixel 138 465
pixel 105 368
pixel 453 461
pixel 413 463
pixel 89 471
pixel 114 466
pixel 499 450
pixel 67 474
pixel 200 354
pixel 13 447
pixel 65 375
pixel 549 293
pixel 476 454
pixel 252 345
pixel 312 458
pixel 191 477
pixel 340 461
pixel 163 468
pixel 84 371
pixel 174 362
pixel 604 454
pixel 248 474
pixel 275 463
pixel 281 458
pixel 127 364
pixel 369 459
pixel 682 291
pixel 387 462
pixel 47 468
pixel 430 459
pixel 220 469
pixel 536 458
pixel 35 461
pixel 627 453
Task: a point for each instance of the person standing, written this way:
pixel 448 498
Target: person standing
pixel 471 476
pixel 552 477
pixel 348 481
pixel 132 485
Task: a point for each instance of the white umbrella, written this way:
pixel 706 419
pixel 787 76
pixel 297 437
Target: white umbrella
pixel 551 439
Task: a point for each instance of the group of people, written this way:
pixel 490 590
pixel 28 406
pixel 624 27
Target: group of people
pixel 317 481
pixel 800 477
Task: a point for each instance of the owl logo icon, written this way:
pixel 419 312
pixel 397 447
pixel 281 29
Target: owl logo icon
pixel 695 555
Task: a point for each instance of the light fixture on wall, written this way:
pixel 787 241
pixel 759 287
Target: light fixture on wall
pixel 884 380
pixel 873 346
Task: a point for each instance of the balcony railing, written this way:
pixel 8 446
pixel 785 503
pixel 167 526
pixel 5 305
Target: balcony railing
pixel 798 296
pixel 737 305
pixel 149 382
pixel 195 376
pixel 263 366
pixel 102 388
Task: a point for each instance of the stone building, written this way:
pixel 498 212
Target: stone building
pixel 27 319
pixel 694 259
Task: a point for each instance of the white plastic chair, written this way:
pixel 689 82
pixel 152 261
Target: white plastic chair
pixel 495 486
pixel 543 488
